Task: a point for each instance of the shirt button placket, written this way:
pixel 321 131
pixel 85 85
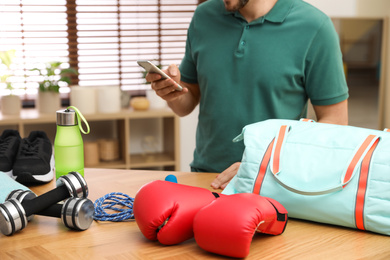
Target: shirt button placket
pixel 242 43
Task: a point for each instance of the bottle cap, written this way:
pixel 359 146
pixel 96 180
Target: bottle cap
pixel 66 117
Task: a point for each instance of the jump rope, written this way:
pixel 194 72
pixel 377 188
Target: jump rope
pixel 117 206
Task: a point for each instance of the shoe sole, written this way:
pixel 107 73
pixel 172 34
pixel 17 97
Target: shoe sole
pixel 9 173
pixel 28 177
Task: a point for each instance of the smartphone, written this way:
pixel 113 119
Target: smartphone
pixel 150 67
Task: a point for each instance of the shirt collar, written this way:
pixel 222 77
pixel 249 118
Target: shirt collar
pixel 277 14
pixel 280 11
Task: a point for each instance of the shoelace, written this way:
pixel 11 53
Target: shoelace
pixel 4 144
pixel 29 148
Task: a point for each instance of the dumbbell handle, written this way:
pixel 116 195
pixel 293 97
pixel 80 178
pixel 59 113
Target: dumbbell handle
pixel 70 185
pixel 52 211
pixel 45 200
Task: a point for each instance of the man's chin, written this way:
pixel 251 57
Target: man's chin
pixel 231 7
pixel 228 6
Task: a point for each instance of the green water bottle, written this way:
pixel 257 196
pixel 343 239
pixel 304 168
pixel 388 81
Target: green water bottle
pixel 68 143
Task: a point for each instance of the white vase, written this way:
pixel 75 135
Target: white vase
pixel 108 99
pixel 11 105
pixel 48 102
pixel 84 98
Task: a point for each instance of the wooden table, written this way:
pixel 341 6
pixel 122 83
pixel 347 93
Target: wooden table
pixel 47 238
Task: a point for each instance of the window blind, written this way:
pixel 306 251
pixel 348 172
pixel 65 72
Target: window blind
pixel 37 30
pixel 102 39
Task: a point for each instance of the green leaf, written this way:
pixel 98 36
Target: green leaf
pixel 39 70
pixel 54 64
pixel 9 86
pixel 42 87
pixel 68 71
pixel 4 78
pixel 65 79
pixel 6 57
pixel 53 74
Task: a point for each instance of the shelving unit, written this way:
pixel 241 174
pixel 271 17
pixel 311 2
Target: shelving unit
pixel 119 125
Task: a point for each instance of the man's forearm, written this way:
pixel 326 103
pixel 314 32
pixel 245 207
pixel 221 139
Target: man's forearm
pixel 185 104
pixel 333 114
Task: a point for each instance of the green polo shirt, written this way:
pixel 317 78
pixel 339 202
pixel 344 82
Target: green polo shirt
pixel 249 72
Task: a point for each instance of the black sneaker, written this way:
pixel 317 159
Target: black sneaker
pixel 35 161
pixel 9 145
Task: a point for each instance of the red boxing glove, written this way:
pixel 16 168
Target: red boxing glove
pixel 227 225
pixel 165 211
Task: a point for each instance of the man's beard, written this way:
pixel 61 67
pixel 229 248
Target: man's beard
pixel 238 6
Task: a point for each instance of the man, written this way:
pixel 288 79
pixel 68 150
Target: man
pixel 248 61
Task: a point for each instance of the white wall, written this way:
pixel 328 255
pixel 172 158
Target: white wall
pixel 380 8
pixel 187 139
pixel 373 7
pixel 336 7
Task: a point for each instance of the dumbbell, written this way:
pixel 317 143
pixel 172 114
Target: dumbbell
pixel 14 214
pixel 75 213
pixel 21 195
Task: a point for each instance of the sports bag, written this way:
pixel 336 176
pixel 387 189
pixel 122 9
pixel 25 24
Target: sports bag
pixel 320 172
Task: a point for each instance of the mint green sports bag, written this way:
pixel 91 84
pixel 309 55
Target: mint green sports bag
pixel 319 172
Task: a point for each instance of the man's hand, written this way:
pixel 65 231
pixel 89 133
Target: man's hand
pixel 166 88
pixel 224 177
pixel 181 102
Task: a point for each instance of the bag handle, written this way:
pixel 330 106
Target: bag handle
pixel 360 153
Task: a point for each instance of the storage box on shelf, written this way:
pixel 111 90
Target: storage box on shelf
pixel 114 126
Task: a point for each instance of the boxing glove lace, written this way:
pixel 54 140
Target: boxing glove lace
pixel 227 225
pixel 165 211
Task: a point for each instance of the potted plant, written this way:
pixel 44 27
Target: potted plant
pixel 53 76
pixel 10 104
